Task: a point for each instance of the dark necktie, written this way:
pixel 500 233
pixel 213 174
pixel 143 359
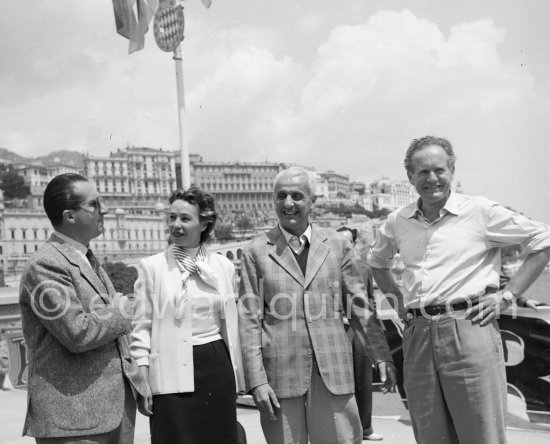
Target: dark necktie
pixel 95 264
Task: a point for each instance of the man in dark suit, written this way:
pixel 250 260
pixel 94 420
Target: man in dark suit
pixel 82 382
pixel 296 284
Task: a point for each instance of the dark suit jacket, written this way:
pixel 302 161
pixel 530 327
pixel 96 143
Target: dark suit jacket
pixel 77 346
pixel 288 318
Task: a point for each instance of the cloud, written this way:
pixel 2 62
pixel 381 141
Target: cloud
pixel 261 91
pixel 376 85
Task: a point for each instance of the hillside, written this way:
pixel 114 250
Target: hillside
pixel 7 156
pixel 61 156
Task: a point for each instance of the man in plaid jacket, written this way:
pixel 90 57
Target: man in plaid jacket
pixel 297 283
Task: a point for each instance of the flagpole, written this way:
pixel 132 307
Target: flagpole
pixel 184 147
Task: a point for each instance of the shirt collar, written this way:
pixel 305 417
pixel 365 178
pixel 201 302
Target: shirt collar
pixel 287 235
pixel 74 243
pixel 451 206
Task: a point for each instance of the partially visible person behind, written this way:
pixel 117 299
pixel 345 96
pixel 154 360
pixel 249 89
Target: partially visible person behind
pixel 82 381
pixel 450 300
pixel 185 336
pixel 362 367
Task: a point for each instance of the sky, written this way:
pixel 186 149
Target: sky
pixel 332 84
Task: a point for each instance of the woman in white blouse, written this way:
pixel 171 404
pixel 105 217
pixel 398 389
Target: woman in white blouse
pixel 185 337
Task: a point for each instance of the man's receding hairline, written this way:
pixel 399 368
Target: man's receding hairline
pixel 293 174
pixel 424 148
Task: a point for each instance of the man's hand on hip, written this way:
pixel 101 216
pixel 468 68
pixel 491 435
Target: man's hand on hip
pixel 489 308
pixel 388 376
pixel 265 400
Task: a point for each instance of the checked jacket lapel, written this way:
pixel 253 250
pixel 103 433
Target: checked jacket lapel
pixel 318 252
pixel 280 252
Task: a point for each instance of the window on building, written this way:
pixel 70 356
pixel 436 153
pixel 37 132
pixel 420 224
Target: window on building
pixel 24 233
pixel 25 249
pixel 12 233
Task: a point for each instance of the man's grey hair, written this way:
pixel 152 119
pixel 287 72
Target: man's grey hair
pixel 299 171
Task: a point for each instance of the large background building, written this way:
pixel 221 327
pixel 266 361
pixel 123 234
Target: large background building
pixel 136 182
pixel 238 187
pixel 134 179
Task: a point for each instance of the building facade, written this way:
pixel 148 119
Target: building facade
pixel 238 187
pixel 36 177
pixel 392 194
pixel 135 183
pixel 124 236
pixel 338 184
pixel 134 178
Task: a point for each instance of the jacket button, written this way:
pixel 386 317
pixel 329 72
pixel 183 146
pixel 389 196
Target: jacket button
pixel 309 351
pixel 309 319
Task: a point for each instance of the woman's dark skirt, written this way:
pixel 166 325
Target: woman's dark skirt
pixel 209 414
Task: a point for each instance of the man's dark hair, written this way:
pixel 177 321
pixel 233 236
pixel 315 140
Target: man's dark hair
pixel 353 232
pixel 207 211
pixel 423 142
pixel 59 196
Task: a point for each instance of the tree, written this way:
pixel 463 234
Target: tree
pixel 224 231
pixel 122 276
pixel 244 223
pixel 13 185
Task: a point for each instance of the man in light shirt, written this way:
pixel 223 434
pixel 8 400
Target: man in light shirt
pixel 450 245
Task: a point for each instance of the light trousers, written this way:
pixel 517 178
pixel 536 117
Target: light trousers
pixel 319 415
pixel 455 381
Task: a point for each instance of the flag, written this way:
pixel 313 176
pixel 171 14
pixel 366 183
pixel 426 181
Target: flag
pixel 132 18
pixel 125 19
pixel 145 12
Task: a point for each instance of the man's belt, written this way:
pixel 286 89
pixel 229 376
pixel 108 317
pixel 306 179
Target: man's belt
pixel 433 310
